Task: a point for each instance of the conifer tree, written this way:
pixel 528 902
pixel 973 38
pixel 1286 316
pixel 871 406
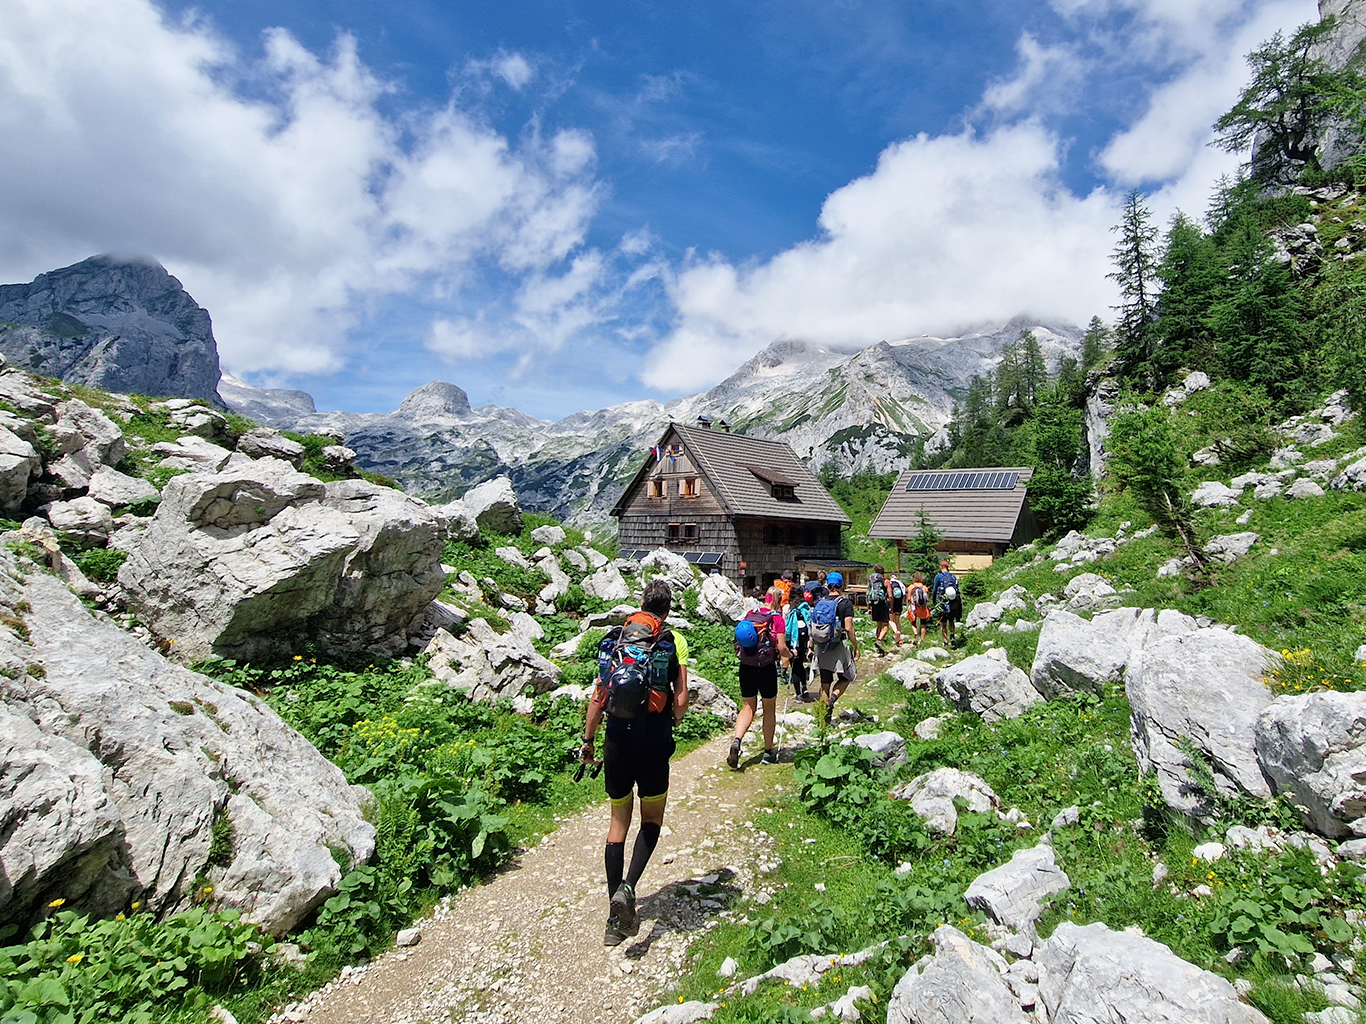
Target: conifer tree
pixel 1095 343
pixel 1191 278
pixel 1135 260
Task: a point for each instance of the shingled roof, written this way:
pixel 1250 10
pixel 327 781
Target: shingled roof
pixel 734 465
pixel 985 514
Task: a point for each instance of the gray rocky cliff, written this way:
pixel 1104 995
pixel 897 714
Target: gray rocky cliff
pixel 120 324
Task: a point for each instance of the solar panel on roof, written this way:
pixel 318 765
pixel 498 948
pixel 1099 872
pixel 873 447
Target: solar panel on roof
pixel 973 480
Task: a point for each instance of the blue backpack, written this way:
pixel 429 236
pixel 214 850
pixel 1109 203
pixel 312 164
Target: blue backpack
pixel 826 627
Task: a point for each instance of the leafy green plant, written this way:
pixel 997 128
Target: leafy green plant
pixel 100 564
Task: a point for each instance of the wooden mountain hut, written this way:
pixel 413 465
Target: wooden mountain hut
pixel 979 512
pixel 744 506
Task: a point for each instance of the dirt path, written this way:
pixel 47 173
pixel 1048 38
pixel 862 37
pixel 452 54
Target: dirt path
pixel 528 945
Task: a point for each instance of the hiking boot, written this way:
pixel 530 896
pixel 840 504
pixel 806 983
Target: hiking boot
pixel 613 934
pixel 624 908
pixel 880 652
pixel 770 757
pixel 733 758
pixel 806 697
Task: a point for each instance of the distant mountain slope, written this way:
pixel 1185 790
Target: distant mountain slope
pixel 119 324
pixel 852 412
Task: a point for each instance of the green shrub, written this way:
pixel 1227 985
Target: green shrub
pixel 72 970
pixel 100 564
pixel 477 556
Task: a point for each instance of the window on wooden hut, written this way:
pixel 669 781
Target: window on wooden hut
pixel 689 533
pixel 656 488
pixel 691 487
pixel 675 533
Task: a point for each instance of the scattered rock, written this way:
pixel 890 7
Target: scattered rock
pixel 607 584
pixel 933 654
pixel 912 673
pixel 1014 893
pixel 1231 546
pixel 963 982
pixel 673 568
pixel 1310 747
pixel 680 1013
pixel 1304 488
pixel 489 665
pixel 265 443
pixel 1212 493
pixel 1209 852
pixel 888 748
pixel 115 489
pixel 1077 656
pixel 192 453
pixel 719 599
pixel 82 521
pixel 984 613
pixel 932 796
pixel 1089 592
pixel 19 462
pixel 338 460
pixel 1066 817
pixel 495 507
pixel 987 687
pixel 704 695
pixel 1091 974
pixel 1206 686
pixel 1352 478
pixel 460 521
pixel 552 535
pixel 928 728
pixel 513 556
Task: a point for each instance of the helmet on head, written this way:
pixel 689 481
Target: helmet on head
pixel 951 593
pixel 745 634
pixel 834 579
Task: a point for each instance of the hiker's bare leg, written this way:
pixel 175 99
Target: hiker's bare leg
pixel 621 819
pixel 745 718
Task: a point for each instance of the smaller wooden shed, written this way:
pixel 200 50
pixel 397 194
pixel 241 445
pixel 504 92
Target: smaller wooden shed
pixel 978 511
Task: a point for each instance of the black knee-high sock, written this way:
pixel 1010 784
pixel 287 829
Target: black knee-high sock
pixel 646 839
pixel 614 857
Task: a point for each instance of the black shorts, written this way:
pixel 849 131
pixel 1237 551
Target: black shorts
pixel 897 606
pixel 635 756
pixel 878 611
pixel 951 612
pixel 758 681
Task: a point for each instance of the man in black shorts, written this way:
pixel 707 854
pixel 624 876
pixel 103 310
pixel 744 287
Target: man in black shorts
pixel 879 606
pixel 635 757
pixel 760 642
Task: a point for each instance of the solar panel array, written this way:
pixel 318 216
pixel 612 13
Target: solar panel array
pixel 995 480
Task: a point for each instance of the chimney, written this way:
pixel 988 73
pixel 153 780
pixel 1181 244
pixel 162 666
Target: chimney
pixel 704 422
pixel 725 425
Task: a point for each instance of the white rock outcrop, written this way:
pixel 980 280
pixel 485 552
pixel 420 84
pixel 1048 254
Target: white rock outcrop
pixel 1213 494
pixel 673 568
pixel 1077 656
pixel 1205 687
pixel 551 535
pixel 933 797
pixel 152 754
pixel 963 982
pixel 704 695
pixel 489 665
pixel 1311 748
pixel 720 599
pixel 19 462
pixel 1014 893
pixel 888 748
pixel 249 561
pixel 115 489
pixel 265 443
pixel 82 521
pixel 1091 974
pixel 987 687
pixel 607 584
pixel 495 507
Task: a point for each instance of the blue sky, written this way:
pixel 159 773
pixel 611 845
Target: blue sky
pixel 564 205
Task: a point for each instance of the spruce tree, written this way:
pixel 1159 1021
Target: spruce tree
pixel 1191 278
pixel 1096 343
pixel 1135 259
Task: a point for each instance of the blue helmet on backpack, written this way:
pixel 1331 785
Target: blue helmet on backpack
pixel 745 634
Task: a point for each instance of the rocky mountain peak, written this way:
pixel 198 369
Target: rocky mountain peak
pixel 436 400
pixel 113 322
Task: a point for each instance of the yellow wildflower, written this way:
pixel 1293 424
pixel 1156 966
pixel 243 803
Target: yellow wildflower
pixel 137 904
pixel 120 917
pixel 75 958
pixel 57 902
pixel 298 657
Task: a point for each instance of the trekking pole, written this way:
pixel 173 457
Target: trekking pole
pixel 584 766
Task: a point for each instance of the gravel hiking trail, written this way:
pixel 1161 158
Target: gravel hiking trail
pixel 527 946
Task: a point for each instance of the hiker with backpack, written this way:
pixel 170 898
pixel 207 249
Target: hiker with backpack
pixel 879 605
pixel 896 590
pixel 760 641
pixel 833 641
pixel 946 595
pixel 798 635
pixel 921 605
pixel 642 692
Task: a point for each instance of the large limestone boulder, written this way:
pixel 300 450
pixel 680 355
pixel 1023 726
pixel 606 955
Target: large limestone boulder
pixel 257 558
pixel 1089 592
pixel 489 665
pixel 115 489
pixel 720 599
pixel 460 521
pixel 988 687
pixel 1014 893
pixel 1077 656
pixel 962 983
pixel 86 439
pixel 1207 687
pixel 912 673
pixel 192 453
pixel 264 443
pixel 173 752
pixel 607 584
pixel 495 507
pixel 1089 974
pixel 704 695
pixel 551 535
pixel 1311 748
pixel 19 462
pixel 673 568
pixel 1213 494
pixel 935 797
pixel 82 521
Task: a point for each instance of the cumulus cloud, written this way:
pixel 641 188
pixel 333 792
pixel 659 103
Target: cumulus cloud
pixel 283 210
pixel 946 230
pixel 1047 74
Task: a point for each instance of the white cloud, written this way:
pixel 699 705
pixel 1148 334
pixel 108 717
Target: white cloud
pixel 1046 74
pixel 1168 141
pixel 945 231
pixel 672 149
pixel 282 215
